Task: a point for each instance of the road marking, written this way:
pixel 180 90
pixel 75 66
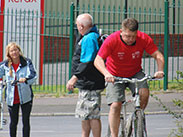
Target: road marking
pixel 32 131
pixel 165 128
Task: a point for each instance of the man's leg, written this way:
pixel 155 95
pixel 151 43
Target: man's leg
pixel 88 107
pixel 86 128
pixel 114 118
pixel 115 96
pixel 144 97
pixel 96 127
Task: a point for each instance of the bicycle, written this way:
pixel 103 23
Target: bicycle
pixel 133 124
pixel 2 120
pixel 2 86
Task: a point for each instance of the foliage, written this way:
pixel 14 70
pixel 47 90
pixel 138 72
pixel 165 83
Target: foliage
pixel 52 90
pixel 180 73
pixel 178 131
pixel 175 115
pixel 180 84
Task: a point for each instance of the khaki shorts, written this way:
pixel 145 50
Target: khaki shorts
pixel 116 92
pixel 88 104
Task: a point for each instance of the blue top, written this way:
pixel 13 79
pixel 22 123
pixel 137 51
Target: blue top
pixel 89 46
pixel 25 70
pixel 89 78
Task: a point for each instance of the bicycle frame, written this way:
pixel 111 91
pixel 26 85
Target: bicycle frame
pixel 1 105
pixel 2 120
pixel 137 115
pixel 128 119
pixel 2 85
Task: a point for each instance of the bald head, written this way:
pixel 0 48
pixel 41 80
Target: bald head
pixel 85 19
pixel 84 22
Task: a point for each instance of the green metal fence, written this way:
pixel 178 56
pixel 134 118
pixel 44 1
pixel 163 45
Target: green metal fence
pixel 24 27
pixel 175 45
pixel 150 20
pixel 153 21
pixel 56 52
pixel 163 23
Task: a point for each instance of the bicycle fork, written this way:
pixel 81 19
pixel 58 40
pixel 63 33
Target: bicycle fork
pixel 126 122
pixel 139 116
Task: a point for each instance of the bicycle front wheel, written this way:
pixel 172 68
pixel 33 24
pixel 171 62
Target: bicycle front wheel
pixel 139 124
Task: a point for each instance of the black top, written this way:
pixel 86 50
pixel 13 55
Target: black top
pixel 89 78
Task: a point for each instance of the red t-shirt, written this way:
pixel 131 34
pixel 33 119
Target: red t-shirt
pixel 124 60
pixel 16 95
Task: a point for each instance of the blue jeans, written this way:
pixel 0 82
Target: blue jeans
pixel 14 115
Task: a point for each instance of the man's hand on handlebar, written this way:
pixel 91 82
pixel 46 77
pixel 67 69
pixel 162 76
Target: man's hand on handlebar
pixel 159 74
pixel 109 78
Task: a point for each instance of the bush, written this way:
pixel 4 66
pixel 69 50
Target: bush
pixel 178 130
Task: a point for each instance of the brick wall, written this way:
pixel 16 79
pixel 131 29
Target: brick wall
pixel 175 43
pixel 56 49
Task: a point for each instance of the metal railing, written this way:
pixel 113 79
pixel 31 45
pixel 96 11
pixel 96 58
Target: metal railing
pixel 59 32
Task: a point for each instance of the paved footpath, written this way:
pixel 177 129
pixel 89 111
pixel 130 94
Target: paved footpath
pixel 49 106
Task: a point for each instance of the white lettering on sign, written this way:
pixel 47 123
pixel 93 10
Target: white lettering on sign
pixel 23 27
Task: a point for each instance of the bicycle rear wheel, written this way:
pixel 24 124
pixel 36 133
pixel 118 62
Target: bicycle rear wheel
pixel 139 125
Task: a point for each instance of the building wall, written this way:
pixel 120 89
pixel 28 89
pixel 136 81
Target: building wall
pixel 148 6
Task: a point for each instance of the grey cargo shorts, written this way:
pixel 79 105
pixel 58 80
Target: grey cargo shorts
pixel 116 92
pixel 89 104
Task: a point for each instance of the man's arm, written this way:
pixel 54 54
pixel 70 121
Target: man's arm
pixel 158 56
pixel 71 83
pixel 100 65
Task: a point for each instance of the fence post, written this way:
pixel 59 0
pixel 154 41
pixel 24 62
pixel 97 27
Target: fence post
pixel 71 37
pixel 77 5
pixel 174 16
pixel 166 38
pixel 126 9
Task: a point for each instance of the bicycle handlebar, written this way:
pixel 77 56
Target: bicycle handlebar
pixel 133 80
pixel 13 83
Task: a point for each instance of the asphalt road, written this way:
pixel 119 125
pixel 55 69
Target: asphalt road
pixel 69 126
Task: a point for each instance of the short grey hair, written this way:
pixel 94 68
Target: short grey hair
pixel 85 19
pixel 130 23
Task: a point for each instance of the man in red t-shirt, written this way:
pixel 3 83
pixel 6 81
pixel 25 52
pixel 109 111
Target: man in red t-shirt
pixel 123 51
